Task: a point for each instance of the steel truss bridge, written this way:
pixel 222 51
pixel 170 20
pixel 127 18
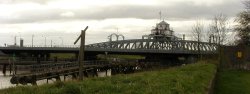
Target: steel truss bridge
pixel 139 46
pixel 155 46
pixel 147 47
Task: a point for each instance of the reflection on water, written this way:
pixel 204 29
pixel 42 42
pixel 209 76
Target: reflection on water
pixel 5 80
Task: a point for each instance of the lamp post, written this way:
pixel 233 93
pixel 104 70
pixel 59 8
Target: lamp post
pixel 51 43
pixel 20 36
pixel 32 39
pixel 15 40
pixel 45 41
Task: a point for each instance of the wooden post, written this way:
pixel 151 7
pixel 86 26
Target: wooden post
pixel 81 52
pixel 81 55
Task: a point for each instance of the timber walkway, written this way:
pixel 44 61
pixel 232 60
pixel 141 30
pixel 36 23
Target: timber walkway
pixel 55 70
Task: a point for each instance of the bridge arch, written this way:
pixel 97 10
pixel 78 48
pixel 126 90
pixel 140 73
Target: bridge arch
pixel 115 37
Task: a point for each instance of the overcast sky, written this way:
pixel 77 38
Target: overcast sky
pixel 62 20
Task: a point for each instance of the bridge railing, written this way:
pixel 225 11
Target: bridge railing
pixel 54 46
pixel 38 68
pixel 48 46
pixel 145 45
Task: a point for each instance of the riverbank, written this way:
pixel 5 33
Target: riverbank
pixel 188 79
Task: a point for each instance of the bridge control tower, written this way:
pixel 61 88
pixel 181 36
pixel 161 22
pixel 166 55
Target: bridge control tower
pixel 161 31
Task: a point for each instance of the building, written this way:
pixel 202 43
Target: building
pixel 161 31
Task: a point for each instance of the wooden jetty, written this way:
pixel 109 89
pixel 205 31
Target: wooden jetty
pixel 55 70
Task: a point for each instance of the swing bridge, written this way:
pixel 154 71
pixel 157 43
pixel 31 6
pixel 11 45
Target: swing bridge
pixel 161 44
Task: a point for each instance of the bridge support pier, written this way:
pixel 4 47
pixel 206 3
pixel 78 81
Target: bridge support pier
pixel 74 76
pixel 38 58
pixel 4 69
pixel 106 72
pixel 85 73
pixel 191 59
pixel 76 56
pixel 46 56
pixel 10 67
pixel 58 79
pixel 171 60
pixel 33 82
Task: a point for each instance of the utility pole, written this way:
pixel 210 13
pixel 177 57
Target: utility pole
pixel 45 41
pixel 51 43
pixel 81 52
pixel 15 40
pixel 160 15
pixel 32 39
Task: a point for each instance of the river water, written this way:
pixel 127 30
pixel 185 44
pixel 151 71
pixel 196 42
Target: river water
pixel 5 80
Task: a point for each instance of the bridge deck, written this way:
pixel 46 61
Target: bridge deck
pixel 128 46
pixel 48 71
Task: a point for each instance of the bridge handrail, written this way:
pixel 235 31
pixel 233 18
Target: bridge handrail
pixel 151 40
pixel 54 46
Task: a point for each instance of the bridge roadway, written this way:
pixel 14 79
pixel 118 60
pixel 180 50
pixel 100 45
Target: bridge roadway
pixel 133 46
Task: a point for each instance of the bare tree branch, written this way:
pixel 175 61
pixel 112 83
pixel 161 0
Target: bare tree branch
pixel 197 30
pixel 218 29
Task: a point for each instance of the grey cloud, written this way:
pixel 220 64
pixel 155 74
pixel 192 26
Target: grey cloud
pixel 182 11
pixel 179 11
pixel 23 1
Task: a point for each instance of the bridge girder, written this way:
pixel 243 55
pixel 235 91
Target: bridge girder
pixel 134 46
pixel 164 46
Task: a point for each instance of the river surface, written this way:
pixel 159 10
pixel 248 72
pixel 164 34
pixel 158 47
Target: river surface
pixel 5 80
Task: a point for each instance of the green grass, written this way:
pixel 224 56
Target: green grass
pixel 233 82
pixel 189 79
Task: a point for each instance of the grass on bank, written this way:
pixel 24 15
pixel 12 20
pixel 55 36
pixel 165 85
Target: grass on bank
pixel 189 79
pixel 233 82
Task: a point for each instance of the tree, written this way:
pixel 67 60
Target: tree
pixel 243 28
pixel 197 30
pixel 218 29
pixel 247 4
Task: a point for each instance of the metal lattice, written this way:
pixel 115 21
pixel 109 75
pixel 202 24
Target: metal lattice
pixel 164 46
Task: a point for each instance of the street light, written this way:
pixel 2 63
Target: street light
pixel 51 43
pixel 19 35
pixel 32 39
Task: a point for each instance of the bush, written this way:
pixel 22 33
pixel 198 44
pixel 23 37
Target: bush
pixel 71 89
